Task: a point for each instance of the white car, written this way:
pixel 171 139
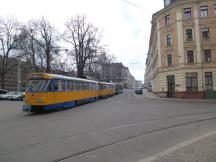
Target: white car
pixel 16 96
pixel 6 95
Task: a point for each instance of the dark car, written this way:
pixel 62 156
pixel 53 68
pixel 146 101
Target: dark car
pixel 2 91
pixel 138 91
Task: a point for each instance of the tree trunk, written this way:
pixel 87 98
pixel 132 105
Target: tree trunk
pixel 80 71
pixel 48 69
pixel 2 81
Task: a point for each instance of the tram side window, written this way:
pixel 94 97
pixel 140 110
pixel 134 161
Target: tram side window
pixel 73 86
pixel 62 85
pixel 101 87
pixel 49 86
pixel 55 85
pixel 94 86
pixel 84 86
pixel 88 86
pixel 78 86
pixel 68 85
pixel 59 85
pixel 91 86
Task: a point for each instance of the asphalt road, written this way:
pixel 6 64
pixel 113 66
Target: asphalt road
pixel 123 128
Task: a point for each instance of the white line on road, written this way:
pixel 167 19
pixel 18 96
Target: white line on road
pixel 176 147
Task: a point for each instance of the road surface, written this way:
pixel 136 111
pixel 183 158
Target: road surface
pixel 123 128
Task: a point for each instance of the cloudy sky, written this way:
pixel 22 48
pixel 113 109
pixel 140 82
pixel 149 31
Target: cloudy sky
pixel 125 23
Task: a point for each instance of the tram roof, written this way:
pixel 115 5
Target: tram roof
pixel 107 83
pixel 57 76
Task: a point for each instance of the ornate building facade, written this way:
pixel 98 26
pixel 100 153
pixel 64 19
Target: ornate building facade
pixel 181 60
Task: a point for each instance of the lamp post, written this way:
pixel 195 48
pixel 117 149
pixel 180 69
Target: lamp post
pixel 18 75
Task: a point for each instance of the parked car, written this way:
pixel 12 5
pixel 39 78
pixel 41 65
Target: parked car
pixel 16 96
pixel 138 91
pixel 2 92
pixel 5 96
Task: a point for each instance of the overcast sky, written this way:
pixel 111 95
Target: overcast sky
pixel 126 27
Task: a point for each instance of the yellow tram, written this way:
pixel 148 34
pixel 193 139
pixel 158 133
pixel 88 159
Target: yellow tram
pixel 51 91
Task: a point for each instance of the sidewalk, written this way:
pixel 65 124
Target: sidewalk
pixel 199 151
pixel 152 96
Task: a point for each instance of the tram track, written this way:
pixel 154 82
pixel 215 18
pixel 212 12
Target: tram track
pixel 64 138
pixel 127 139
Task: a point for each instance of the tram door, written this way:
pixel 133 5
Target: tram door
pixel 171 86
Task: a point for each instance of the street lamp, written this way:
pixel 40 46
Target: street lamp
pixel 18 75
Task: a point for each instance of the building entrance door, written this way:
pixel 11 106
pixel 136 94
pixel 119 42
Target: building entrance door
pixel 171 86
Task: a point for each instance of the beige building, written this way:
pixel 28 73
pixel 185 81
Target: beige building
pixel 16 77
pixel 181 60
pixel 118 73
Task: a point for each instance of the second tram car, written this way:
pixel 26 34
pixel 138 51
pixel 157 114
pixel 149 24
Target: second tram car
pixel 51 91
pixel 106 89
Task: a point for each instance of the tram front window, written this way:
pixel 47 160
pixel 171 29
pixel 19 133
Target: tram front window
pixel 37 85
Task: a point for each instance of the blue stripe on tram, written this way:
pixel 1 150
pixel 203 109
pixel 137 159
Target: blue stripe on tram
pixel 59 105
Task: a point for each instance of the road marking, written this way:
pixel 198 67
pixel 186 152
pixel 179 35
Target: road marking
pixel 176 147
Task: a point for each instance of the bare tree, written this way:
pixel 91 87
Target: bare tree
pixel 63 62
pixel 100 66
pixel 9 38
pixel 46 37
pixel 84 39
pixel 106 62
pixel 31 50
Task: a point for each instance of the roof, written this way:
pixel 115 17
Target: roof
pixel 107 83
pixel 56 76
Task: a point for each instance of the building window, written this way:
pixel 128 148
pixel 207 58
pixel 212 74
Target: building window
pixel 204 11
pixel 207 55
pixel 169 40
pixel 169 59
pixel 169 2
pixel 189 34
pixel 190 56
pixel 187 13
pixel 191 82
pixel 167 20
pixel 205 33
pixel 208 81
